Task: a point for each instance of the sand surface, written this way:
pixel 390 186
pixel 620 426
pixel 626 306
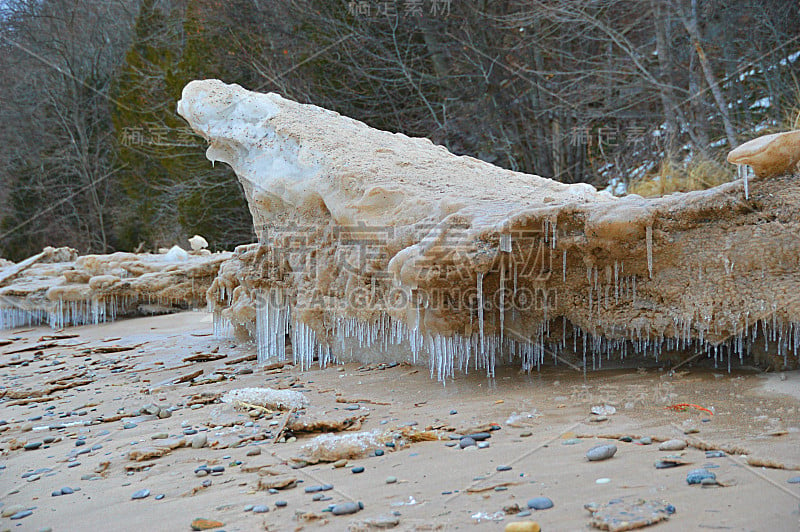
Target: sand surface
pixel 436 488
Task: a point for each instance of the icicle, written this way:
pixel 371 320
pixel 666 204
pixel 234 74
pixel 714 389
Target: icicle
pixel 505 243
pixel 563 266
pixel 649 239
pixel 480 312
pixel 743 172
pixel 502 299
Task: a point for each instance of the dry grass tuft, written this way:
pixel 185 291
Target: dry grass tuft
pixel 699 174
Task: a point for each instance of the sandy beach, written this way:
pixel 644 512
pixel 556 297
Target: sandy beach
pixel 74 392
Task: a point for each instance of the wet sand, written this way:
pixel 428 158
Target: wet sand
pixel 438 487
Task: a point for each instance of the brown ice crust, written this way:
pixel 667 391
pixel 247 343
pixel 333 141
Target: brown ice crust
pixel 462 241
pixel 60 288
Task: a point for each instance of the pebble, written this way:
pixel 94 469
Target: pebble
pixel 601 452
pixel 141 494
pixel 540 503
pixel 524 513
pixel 201 472
pixel 602 481
pixel 794 480
pixel 523 526
pixel 32 446
pixel 696 476
pixel 708 482
pixel 218 469
pixel 160 496
pixel 340 463
pixel 346 508
pixel 715 454
pixel 672 445
pixel 626 439
pixel 129 425
pixel 453 412
pixel 393 480
pixel 255 451
pixel 358 469
pixel 67 491
pixel 451 444
pixel 248 508
pixel 159 436
pixel 319 497
pixel 466 442
pixel 78 443
pixel 647 440
pixel 281 504
pixel 504 468
pixel 12 509
pixel 260 509
pixel 479 436
pixel 483 444
pixel 205 524
pixel 21 515
pixel 352 407
pixel 189 432
pixel 199 441
pixel 378 452
pixel 571 441
pixel 53 439
pixel 164 413
pixel 313 489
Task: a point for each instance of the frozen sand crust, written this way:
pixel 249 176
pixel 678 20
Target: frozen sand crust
pixel 61 288
pixel 698 268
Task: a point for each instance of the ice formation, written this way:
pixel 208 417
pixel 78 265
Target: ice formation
pixel 377 246
pixel 769 155
pixel 59 288
pixel 267 398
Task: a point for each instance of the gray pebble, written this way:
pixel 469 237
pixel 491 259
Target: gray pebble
pixel 479 436
pixel 672 445
pixel 794 480
pixel 524 513
pixel 451 444
pixel 281 504
pixel 201 472
pixel 601 452
pixel 647 440
pixel 32 445
pixel 199 441
pixel 255 451
pixel 260 509
pixel 129 425
pixel 358 469
pixel 391 480
pixel 21 515
pixel 248 508
pixel 318 497
pixel 504 468
pixel 483 444
pixel 159 436
pixel 67 491
pixel 160 496
pixel 141 494
pixel 347 508
pixel 466 442
pixel 696 476
pixel 540 503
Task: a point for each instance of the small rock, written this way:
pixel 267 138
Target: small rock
pixel 378 452
pixel 160 496
pixel 504 468
pixel 540 503
pixel 260 509
pixel 715 454
pixel 164 413
pixel 358 469
pixel 129 425
pixel 647 440
pixel 571 441
pixel 346 508
pixel 201 472
pixel 672 445
pixel 526 434
pixel 67 491
pixel 218 469
pixel 523 526
pixel 479 436
pixel 466 442
pixel 601 452
pixel 340 463
pixel 10 510
pixel 794 480
pixel 451 444
pixel 381 522
pixel 199 441
pixel 453 412
pixel 141 494
pixel 32 446
pixel 159 436
pixel 598 419
pixel 709 482
pixel 205 524
pixel 393 480
pixel 696 476
pixel 483 445
pixel 21 515
pixel 319 497
pixel 254 451
pixel 626 439
pixel 281 504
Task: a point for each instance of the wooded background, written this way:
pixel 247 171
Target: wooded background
pixel 95 157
